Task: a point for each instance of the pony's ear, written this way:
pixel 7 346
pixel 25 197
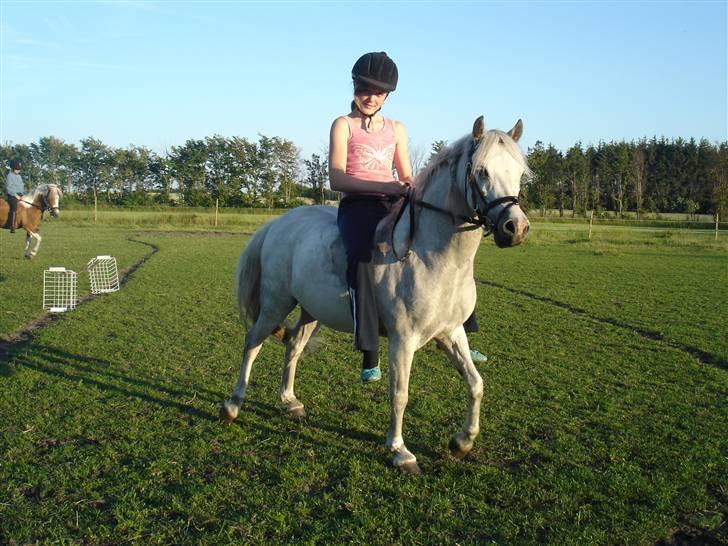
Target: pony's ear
pixel 478 128
pixel 517 131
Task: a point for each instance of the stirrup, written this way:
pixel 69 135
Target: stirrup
pixel 370 375
pixel 477 356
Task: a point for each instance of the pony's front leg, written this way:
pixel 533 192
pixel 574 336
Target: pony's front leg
pixel 295 344
pixel 400 364
pixel 457 349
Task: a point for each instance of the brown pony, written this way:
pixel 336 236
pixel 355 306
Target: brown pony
pixel 30 212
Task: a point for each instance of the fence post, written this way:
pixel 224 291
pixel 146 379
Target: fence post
pixel 217 204
pixel 717 223
pixel 591 219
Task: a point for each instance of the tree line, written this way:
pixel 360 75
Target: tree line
pixel 656 175
pixel 233 172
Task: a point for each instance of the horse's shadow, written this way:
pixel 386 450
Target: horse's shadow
pixel 106 376
pixel 110 377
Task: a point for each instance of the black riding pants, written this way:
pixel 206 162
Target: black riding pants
pixel 12 202
pixel 13 205
pixel 357 219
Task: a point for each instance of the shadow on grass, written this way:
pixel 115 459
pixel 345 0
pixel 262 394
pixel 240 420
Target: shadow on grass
pixel 107 376
pixel 699 354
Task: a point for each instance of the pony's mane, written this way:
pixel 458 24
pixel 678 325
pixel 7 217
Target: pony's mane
pixel 45 188
pixel 485 148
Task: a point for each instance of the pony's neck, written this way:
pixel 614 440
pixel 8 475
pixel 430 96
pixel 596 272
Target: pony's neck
pixel 447 233
pixel 35 194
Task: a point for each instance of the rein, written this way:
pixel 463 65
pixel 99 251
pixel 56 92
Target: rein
pixel 478 219
pixel 42 208
pixel 45 205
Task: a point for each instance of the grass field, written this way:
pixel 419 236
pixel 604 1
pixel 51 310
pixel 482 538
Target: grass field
pixel 603 420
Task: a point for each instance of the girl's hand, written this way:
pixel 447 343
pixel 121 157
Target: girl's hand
pixel 398 188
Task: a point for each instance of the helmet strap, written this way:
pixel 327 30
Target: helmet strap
pixel 368 117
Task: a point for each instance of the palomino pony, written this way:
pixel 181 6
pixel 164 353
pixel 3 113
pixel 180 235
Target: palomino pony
pixel 30 213
pixel 424 286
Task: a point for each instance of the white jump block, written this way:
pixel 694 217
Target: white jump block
pixel 103 274
pixel 60 292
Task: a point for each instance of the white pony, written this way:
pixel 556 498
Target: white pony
pixel 424 280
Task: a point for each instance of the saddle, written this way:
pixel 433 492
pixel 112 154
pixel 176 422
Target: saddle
pixel 384 234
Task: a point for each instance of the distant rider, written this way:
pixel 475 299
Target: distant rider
pixel 14 187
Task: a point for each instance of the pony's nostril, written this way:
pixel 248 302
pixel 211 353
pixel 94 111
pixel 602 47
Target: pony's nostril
pixel 525 230
pixel 509 227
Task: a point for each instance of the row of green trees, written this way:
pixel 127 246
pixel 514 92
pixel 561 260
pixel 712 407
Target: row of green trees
pixel 235 172
pixel 646 176
pixel 658 175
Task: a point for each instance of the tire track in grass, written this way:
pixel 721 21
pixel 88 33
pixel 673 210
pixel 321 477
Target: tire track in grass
pixel 16 340
pixel 701 356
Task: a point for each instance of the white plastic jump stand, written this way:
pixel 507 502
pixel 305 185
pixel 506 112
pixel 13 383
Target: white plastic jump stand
pixel 59 289
pixel 103 274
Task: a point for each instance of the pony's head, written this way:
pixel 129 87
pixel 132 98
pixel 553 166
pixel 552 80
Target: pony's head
pixel 485 171
pixel 51 196
pixel 493 181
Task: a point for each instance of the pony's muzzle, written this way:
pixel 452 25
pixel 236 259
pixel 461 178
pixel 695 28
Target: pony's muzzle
pixel 512 228
pixel 55 212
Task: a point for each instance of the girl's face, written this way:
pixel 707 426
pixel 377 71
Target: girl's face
pixel 369 100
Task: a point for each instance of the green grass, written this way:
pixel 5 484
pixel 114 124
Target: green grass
pixel 593 431
pixel 244 219
pixel 69 246
pixel 667 284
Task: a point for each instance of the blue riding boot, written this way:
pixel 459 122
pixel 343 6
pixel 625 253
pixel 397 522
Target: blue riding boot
pixel 477 356
pixel 370 375
pixel 370 372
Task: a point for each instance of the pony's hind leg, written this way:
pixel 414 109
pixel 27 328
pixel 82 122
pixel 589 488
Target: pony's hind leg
pixel 28 240
pixel 456 348
pixel 295 342
pixel 231 407
pixel 263 327
pixel 31 248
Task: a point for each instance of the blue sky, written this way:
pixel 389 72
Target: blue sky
pixel 158 73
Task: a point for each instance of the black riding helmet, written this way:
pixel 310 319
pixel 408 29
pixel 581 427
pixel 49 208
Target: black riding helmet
pixel 377 70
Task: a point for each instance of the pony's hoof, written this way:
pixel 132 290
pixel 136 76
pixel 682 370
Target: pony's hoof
pixel 228 413
pixel 27 257
pixel 410 467
pixel 297 413
pixel 458 448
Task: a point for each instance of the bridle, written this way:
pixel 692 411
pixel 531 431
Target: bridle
pixel 45 204
pixel 478 218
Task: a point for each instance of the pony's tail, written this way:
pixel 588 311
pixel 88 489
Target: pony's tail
pixel 246 285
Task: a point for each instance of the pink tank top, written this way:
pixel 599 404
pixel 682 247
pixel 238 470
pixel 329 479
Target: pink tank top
pixel 370 155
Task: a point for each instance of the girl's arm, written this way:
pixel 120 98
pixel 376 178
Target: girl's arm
pixel 340 181
pixel 401 154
